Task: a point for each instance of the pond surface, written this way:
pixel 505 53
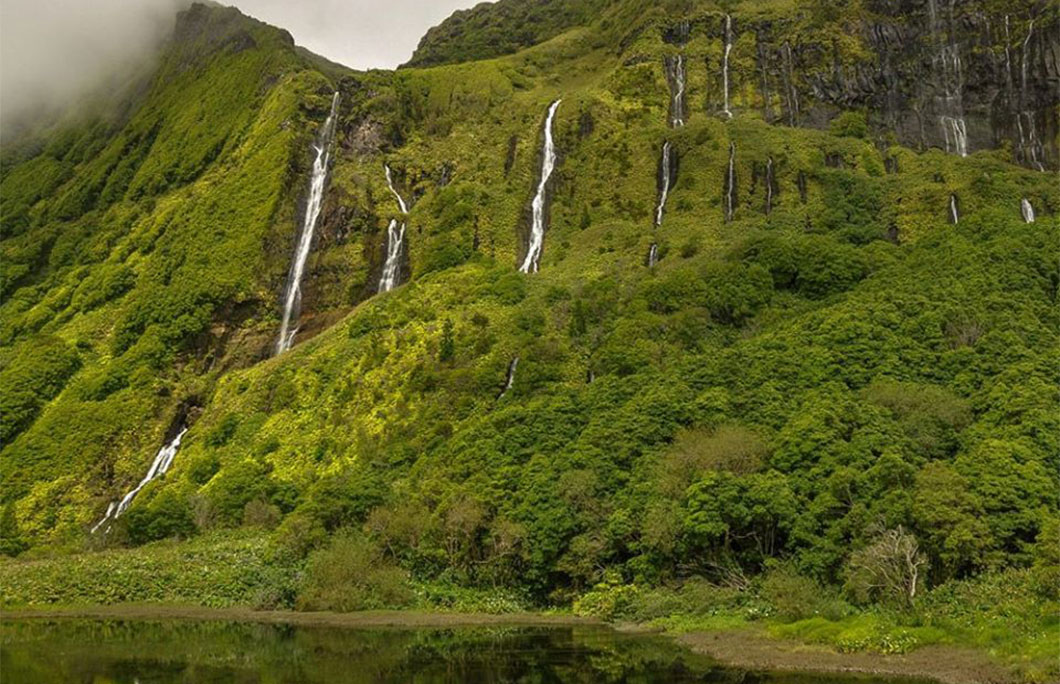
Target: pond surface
pixel 145 652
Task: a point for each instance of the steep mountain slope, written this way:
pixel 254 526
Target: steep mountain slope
pixel 837 333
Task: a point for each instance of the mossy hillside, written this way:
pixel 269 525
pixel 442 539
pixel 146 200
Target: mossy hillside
pixel 144 287
pixel 847 361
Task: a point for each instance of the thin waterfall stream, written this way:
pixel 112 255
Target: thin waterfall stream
pixel 730 184
pixel 395 241
pixel 532 262
pixel 317 184
pixel 1027 210
pixel 665 181
pixel 159 466
pixel 725 67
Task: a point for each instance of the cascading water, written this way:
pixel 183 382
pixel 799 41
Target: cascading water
pixel 510 379
pixel 949 72
pixel 725 67
pixel 1031 147
pixel 653 255
pixel 159 467
pixel 675 74
pixel 665 181
pixel 1027 210
pixel 954 130
pixel 955 216
pixel 395 241
pixel 317 183
pixel 730 184
pixel 537 227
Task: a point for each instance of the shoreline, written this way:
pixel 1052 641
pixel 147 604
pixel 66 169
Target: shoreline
pixel 743 648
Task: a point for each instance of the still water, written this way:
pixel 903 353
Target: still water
pixel 148 652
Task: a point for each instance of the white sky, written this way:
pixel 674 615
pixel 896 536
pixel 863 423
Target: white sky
pixel 357 33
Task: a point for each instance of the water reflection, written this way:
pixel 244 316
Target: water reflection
pixel 118 651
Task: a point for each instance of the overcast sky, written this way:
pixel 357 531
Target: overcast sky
pixel 51 49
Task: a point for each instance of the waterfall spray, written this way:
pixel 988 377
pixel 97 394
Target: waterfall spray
pixel 395 241
pixel 293 299
pixel 954 213
pixel 159 466
pixel 537 227
pixel 653 255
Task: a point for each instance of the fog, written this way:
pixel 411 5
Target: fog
pixel 53 50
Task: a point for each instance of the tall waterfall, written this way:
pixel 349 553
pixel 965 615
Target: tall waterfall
pixel 955 215
pixel 317 183
pixel 653 255
pixel 1027 210
pixel 675 75
pixel 725 67
pixel 730 184
pixel 537 227
pixel 159 466
pixel 395 241
pixel 665 181
pixel 510 379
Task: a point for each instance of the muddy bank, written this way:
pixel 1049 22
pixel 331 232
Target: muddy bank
pixel 751 650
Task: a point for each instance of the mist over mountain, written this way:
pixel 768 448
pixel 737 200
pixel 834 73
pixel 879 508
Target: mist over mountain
pixel 52 52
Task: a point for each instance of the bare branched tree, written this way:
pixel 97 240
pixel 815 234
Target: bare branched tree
pixel 888 569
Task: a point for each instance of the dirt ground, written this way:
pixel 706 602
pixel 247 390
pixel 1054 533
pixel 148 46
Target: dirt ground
pixel 746 649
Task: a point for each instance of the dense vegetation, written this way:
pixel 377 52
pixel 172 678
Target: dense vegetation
pixel 845 399
pixel 500 28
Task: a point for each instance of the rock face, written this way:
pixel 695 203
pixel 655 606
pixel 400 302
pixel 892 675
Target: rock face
pixel 961 76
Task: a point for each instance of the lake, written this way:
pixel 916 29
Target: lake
pixel 138 651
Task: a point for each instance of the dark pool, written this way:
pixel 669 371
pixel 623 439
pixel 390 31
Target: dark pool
pixel 104 651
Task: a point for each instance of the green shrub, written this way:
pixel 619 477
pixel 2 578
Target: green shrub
pixel 349 574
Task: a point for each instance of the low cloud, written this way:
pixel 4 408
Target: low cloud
pixel 51 51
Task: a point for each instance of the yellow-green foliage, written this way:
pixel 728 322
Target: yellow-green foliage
pixel 862 346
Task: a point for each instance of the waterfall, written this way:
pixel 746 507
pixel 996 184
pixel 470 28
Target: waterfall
pixel 510 379
pixel 395 241
pixel 675 75
pixel 1031 147
pixel 653 255
pixel 769 185
pixel 159 466
pixel 537 226
pixel 293 299
pixel 791 94
pixel 665 181
pixel 1027 210
pixel 954 213
pixel 725 67
pixel 730 184
pixel 954 131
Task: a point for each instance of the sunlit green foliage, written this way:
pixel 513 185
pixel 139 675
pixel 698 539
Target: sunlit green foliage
pixel 773 393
